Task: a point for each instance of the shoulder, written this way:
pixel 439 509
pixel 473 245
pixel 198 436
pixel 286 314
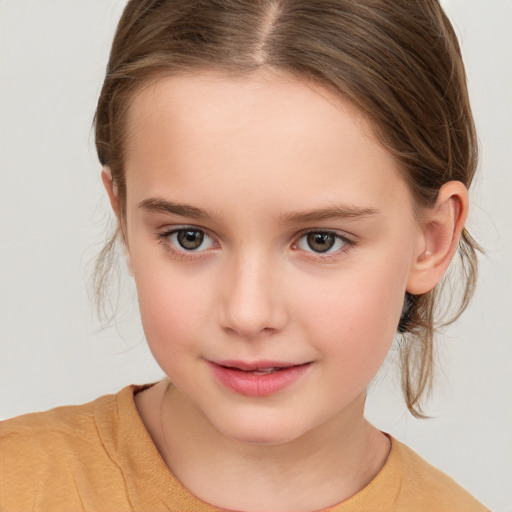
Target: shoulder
pixel 43 455
pixel 427 488
pixel 73 425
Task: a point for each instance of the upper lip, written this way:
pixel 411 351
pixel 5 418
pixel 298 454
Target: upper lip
pixel 255 365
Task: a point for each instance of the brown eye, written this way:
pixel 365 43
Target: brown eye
pixel 189 239
pixel 321 242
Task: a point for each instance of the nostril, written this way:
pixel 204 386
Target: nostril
pixel 249 333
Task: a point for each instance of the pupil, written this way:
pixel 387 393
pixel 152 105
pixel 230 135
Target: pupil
pixel 321 242
pixel 190 239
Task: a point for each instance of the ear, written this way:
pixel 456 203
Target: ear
pixel 111 188
pixel 439 237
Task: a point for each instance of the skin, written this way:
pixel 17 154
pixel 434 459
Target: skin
pixel 252 154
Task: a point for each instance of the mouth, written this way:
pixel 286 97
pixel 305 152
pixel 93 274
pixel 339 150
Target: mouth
pixel 259 378
pixel 264 371
pixel 256 367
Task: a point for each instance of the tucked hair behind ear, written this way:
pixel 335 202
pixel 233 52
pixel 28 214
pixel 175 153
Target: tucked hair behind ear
pixel 397 61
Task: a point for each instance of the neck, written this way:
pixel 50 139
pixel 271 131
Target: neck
pixel 336 459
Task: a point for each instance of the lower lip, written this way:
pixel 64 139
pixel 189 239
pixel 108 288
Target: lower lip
pixel 249 384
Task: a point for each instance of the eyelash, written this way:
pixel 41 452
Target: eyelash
pixel 348 244
pixel 164 239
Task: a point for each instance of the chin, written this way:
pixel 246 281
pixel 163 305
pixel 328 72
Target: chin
pixel 261 431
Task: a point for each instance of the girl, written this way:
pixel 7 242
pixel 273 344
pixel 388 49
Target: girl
pixel 290 182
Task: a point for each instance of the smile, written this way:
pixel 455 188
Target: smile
pixel 263 371
pixel 257 379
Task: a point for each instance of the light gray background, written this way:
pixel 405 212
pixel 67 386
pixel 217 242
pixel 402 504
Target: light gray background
pixel 53 218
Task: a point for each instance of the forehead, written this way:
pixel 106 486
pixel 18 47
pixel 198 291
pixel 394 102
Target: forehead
pixel 212 101
pixel 243 134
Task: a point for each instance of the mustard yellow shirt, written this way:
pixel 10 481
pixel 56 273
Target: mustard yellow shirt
pixel 99 457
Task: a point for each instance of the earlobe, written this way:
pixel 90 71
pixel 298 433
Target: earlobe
pixel 111 188
pixel 439 237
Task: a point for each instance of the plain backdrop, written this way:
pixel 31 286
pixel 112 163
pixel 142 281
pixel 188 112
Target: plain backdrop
pixel 54 217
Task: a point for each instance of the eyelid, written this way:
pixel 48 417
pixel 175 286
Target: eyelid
pixel 165 232
pixel 348 243
pixel 346 237
pixel 163 236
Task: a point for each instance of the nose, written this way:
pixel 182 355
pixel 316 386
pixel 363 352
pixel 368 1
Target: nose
pixel 252 298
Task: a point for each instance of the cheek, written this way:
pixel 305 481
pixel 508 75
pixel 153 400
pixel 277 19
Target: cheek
pixel 353 319
pixel 173 309
pixel 353 345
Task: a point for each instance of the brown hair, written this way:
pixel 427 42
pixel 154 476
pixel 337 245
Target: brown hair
pixel 397 61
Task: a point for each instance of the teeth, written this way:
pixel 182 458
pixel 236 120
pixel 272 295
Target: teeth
pixel 264 371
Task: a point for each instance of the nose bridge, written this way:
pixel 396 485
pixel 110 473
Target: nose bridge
pixel 252 303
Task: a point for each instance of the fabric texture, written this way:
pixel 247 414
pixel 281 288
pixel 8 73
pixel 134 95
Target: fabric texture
pixel 99 457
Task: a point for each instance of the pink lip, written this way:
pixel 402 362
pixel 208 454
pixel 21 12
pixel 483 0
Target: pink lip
pixel 235 375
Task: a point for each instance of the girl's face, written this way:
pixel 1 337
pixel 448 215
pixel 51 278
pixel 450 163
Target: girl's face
pixel 271 240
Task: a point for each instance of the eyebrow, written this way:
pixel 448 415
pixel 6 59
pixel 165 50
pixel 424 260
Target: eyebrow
pixel 333 213
pixel 157 205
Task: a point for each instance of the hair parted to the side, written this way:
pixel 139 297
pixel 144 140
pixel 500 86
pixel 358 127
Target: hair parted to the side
pixel 397 61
